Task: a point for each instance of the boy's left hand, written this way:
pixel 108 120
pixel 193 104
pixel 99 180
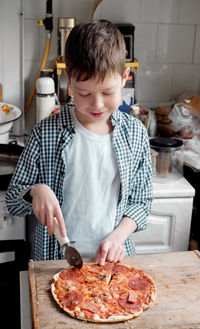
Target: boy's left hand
pixel 109 251
pixel 112 249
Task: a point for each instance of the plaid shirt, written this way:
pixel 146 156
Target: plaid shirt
pixel 42 161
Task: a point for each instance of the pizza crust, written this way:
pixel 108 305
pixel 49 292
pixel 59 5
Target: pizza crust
pixel 78 313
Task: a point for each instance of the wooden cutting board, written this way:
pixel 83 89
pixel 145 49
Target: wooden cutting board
pixel 177 277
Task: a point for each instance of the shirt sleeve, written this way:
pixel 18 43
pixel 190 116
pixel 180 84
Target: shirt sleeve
pixel 140 193
pixel 24 177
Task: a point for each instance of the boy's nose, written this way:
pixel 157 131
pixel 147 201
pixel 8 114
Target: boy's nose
pixel 97 102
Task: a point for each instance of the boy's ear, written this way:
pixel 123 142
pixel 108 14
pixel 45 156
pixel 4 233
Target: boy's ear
pixel 125 76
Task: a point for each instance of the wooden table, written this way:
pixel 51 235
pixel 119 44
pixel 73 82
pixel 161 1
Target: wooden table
pixel 177 277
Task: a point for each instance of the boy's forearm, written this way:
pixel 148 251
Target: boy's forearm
pixel 126 227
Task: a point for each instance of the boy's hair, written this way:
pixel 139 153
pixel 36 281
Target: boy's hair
pixel 94 49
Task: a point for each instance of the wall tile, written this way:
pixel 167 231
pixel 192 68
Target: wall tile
pixel 159 11
pixel 197 46
pixel 119 11
pixel 1 42
pixel 31 69
pixel 153 83
pixel 81 10
pixel 175 43
pixel 189 12
pixel 165 49
pixel 34 9
pixel 186 79
pixel 37 8
pixel 31 40
pixel 145 42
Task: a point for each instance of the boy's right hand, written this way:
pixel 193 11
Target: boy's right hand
pixel 46 206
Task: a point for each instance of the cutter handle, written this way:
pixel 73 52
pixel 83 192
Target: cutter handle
pixel 57 234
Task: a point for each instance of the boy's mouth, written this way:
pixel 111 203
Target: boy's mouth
pixel 97 115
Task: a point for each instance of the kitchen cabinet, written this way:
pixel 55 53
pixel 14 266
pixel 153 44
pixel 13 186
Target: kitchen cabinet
pixel 170 219
pixel 14 251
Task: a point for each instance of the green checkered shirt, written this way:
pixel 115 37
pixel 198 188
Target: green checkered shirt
pixel 42 162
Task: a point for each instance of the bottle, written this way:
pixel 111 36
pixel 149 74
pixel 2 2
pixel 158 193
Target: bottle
pixel 45 98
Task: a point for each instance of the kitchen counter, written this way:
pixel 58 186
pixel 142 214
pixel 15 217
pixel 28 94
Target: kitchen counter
pixel 25 307
pixel 177 277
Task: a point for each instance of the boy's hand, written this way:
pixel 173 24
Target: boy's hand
pixel 111 249
pixel 46 206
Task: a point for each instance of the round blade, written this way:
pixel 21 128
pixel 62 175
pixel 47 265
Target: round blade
pixel 73 257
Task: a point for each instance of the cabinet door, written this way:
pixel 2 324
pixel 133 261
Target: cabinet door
pixel 168 227
pixel 11 227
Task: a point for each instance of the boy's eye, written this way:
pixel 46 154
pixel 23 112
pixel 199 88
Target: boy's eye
pixel 83 95
pixel 107 93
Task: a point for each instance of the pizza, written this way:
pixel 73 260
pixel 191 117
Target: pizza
pixel 111 293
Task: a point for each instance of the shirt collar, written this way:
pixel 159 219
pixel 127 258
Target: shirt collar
pixel 65 119
pixel 116 118
pixel 67 122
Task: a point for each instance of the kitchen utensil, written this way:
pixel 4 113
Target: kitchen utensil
pixel 71 254
pixel 6 121
pixel 65 25
pixel 169 160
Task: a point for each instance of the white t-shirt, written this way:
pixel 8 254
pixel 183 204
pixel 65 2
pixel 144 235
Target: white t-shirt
pixel 91 189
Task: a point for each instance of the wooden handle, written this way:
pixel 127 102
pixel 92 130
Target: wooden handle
pixel 57 234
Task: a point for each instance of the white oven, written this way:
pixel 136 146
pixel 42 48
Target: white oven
pixel 14 254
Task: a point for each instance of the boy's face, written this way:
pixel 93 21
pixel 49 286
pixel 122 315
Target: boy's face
pixel 95 100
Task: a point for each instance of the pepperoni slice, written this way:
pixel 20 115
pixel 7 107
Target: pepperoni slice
pixel 138 283
pixel 134 305
pixel 71 299
pixel 109 266
pixel 120 269
pixel 71 274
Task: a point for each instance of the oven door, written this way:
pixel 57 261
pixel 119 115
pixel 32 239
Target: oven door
pixel 14 256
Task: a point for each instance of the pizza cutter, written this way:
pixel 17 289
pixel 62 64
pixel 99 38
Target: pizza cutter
pixel 71 254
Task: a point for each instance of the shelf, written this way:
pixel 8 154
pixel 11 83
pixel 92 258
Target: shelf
pixel 60 66
pixel 134 65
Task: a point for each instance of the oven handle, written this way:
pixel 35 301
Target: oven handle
pixel 8 256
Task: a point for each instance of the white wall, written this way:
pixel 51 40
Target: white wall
pixel 10 56
pixel 167 42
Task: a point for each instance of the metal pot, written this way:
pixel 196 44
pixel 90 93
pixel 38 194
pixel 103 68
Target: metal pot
pixel 9 156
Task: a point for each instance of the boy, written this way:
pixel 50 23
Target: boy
pixel 89 166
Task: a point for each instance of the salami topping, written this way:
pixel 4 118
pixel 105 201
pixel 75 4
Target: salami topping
pixel 71 299
pixel 138 283
pixel 109 266
pixel 71 274
pixel 120 269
